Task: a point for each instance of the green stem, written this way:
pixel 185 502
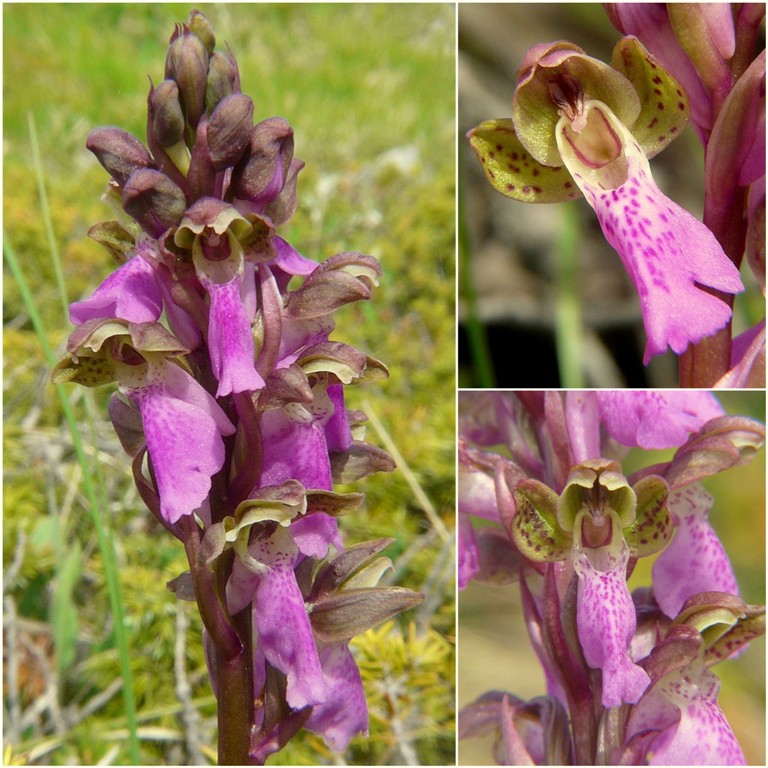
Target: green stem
pixel 477 339
pixel 569 334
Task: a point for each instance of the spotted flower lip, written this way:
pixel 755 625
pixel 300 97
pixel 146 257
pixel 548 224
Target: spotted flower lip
pixel 579 125
pixel 669 255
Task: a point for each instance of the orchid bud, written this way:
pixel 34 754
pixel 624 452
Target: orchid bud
pixel 198 25
pixel 229 130
pixel 261 173
pixel 153 200
pixel 187 64
pixel 167 117
pixel 222 79
pixel 338 617
pixel 115 238
pixel 119 152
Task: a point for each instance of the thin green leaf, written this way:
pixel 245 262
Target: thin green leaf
pixel 106 545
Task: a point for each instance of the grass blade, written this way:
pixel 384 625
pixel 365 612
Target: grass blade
pixel 106 545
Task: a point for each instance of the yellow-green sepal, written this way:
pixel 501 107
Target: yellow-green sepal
pixel 511 169
pixel 664 104
pixel 88 371
pixel 535 529
pixel 652 528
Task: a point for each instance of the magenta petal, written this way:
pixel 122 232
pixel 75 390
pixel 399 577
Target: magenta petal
pixel 695 561
pixel 285 634
pixel 583 420
pixel 337 433
pixel 468 559
pixel 702 736
pixel 477 494
pixel 183 437
pixel 747 359
pixel 667 252
pixel 241 587
pixel 290 260
pixel 606 620
pixel 131 292
pixel 314 533
pixel 650 419
pixel 344 713
pixel 296 450
pixel 230 339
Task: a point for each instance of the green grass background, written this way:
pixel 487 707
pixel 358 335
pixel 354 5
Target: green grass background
pixel 369 90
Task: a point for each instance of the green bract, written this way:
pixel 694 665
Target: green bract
pixel 556 80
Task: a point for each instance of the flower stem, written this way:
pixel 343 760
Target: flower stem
pixel 702 364
pixel 235 707
pixel 232 641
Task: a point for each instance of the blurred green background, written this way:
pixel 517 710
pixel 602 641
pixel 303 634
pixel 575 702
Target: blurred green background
pixel 495 653
pixel 369 90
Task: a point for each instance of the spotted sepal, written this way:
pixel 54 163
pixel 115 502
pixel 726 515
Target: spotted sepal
pixel 664 105
pixel 88 371
pixel 534 527
pixel 511 169
pixel 652 527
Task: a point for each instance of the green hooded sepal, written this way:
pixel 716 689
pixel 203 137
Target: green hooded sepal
pixel 511 169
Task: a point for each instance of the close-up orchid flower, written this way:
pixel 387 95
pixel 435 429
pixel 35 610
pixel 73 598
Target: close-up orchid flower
pixel 562 496
pixel 581 127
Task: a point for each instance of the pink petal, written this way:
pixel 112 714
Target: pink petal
pixel 183 438
pixel 131 292
pixel 606 620
pixel 337 432
pixel 344 713
pixel 695 560
pixel 477 494
pixel 650 419
pixel 295 449
pixel 747 359
pixel 290 260
pixel 702 736
pixel 230 339
pixel 667 252
pixel 468 561
pixel 313 534
pixel 285 633
pixel 583 420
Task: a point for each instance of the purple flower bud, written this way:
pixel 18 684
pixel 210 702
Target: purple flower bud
pixel 229 130
pixel 153 200
pixel 187 64
pixel 167 121
pixel 119 152
pixel 263 171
